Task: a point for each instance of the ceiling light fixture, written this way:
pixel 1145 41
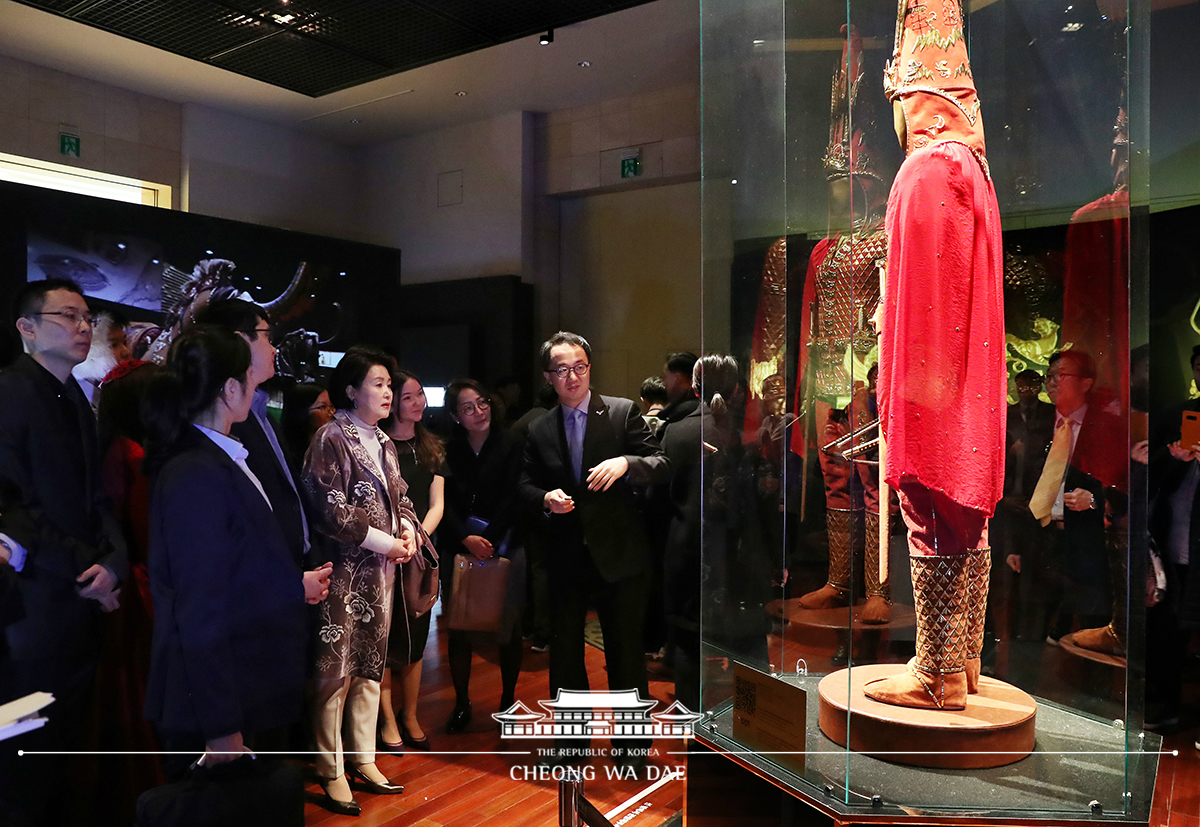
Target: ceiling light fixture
pixel 547 38
pixel 460 94
pixel 584 64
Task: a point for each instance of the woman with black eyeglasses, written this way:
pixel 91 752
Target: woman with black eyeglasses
pixel 484 467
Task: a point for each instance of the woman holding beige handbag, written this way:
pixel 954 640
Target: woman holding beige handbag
pixel 484 466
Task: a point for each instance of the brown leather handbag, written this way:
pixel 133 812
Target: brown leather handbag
pixel 479 587
pixel 420 577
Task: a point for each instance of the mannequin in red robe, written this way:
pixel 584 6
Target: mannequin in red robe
pixel 841 294
pixel 942 379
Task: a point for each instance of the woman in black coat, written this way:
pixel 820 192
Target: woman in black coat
pixel 484 465
pixel 230 636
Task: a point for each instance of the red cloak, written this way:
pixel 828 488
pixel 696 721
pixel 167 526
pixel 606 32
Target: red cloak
pixel 942 379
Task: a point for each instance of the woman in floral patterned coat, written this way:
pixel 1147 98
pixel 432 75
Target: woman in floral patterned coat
pixel 357 499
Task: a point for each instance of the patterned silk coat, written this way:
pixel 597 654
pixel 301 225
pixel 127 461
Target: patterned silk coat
pixel 346 496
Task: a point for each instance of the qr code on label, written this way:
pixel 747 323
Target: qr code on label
pixel 745 696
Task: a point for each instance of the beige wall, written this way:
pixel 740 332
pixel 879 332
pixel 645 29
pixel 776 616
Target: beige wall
pixel 584 145
pixel 631 279
pixel 121 132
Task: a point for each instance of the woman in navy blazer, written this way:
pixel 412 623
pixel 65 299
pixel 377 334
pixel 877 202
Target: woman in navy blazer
pixel 229 649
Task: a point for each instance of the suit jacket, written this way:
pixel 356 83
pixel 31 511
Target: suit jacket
pixel 230 633
pixel 1027 440
pixel 1166 475
pixel 277 480
pixel 603 524
pixel 1093 467
pixel 49 453
pixel 683 445
pixel 483 486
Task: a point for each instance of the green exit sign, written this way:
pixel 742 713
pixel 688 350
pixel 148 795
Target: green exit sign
pixel 631 167
pixel 68 145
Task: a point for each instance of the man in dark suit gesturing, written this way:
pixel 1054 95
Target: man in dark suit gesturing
pixel 581 462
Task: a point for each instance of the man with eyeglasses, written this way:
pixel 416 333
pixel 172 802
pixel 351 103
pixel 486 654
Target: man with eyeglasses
pixel 581 463
pixel 258 434
pixel 68 550
pixel 1067 569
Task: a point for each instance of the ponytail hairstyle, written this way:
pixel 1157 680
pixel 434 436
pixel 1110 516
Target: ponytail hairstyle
pixel 715 377
pixel 430 451
pixel 201 359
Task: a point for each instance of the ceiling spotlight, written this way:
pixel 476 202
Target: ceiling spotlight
pixel 354 120
pixel 584 64
pixel 460 94
pixel 547 38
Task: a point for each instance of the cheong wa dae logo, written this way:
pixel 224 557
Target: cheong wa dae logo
pixel 594 713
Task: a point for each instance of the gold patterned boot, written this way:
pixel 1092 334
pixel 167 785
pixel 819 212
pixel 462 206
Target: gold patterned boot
pixel 979 573
pixel 935 678
pixel 836 592
pixel 878 608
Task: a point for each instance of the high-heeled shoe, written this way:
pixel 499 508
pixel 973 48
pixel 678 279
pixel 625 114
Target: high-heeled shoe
pixel 410 741
pixel 387 788
pixel 459 718
pixel 384 745
pixel 336 805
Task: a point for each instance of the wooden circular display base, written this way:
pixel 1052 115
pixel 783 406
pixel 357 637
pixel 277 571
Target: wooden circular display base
pixel 791 611
pixel 995 729
pixel 1068 644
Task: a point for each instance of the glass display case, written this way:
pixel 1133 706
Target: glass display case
pixel 945 619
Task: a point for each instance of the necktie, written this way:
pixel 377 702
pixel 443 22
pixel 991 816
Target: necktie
pixel 1051 479
pixel 575 427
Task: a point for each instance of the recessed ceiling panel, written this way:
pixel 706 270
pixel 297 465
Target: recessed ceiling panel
pixel 394 35
pixel 320 46
pixel 298 63
pixel 192 29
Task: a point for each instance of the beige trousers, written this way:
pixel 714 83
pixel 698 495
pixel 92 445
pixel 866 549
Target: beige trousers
pixel 350 704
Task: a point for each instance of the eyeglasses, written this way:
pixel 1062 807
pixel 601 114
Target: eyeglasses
pixel 324 406
pixel 562 371
pixel 469 408
pixel 73 317
pixel 1055 377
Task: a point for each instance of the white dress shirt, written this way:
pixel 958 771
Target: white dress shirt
pixel 1076 420
pixel 237 452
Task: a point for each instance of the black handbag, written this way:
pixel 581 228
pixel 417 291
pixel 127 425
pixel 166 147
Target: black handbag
pixel 248 792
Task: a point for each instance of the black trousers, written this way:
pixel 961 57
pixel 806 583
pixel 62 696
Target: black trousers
pixel 28 783
pixel 621 609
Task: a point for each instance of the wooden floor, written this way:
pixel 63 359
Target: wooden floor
pixel 1177 793
pixel 467 779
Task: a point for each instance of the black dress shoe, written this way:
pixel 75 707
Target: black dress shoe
pixel 370 786
pixel 409 741
pixel 459 718
pixel 334 805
